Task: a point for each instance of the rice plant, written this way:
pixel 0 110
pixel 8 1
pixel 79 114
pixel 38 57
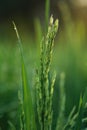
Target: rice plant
pixel 45 87
pixel 44 90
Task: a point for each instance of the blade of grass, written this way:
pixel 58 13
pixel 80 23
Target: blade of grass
pixel 60 120
pixel 38 32
pixel 80 114
pixel 47 14
pixel 71 119
pixel 27 99
pixel 12 127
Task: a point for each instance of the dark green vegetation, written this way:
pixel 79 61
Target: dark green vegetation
pixel 70 93
pixel 69 57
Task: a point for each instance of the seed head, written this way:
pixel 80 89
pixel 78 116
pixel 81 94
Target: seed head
pixel 51 20
pixel 56 23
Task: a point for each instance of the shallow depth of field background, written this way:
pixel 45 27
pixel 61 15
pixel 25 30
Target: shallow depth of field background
pixel 69 56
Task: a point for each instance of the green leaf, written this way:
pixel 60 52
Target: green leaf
pixel 27 101
pixel 47 10
pixel 80 114
pixel 85 97
pixel 12 127
pixel 29 114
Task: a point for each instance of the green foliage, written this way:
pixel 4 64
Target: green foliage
pixel 76 118
pixel 28 123
pixel 47 13
pixel 60 120
pixel 70 57
pixel 12 127
pixel 38 32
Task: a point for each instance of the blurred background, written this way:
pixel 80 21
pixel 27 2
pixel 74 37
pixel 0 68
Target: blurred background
pixel 70 51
